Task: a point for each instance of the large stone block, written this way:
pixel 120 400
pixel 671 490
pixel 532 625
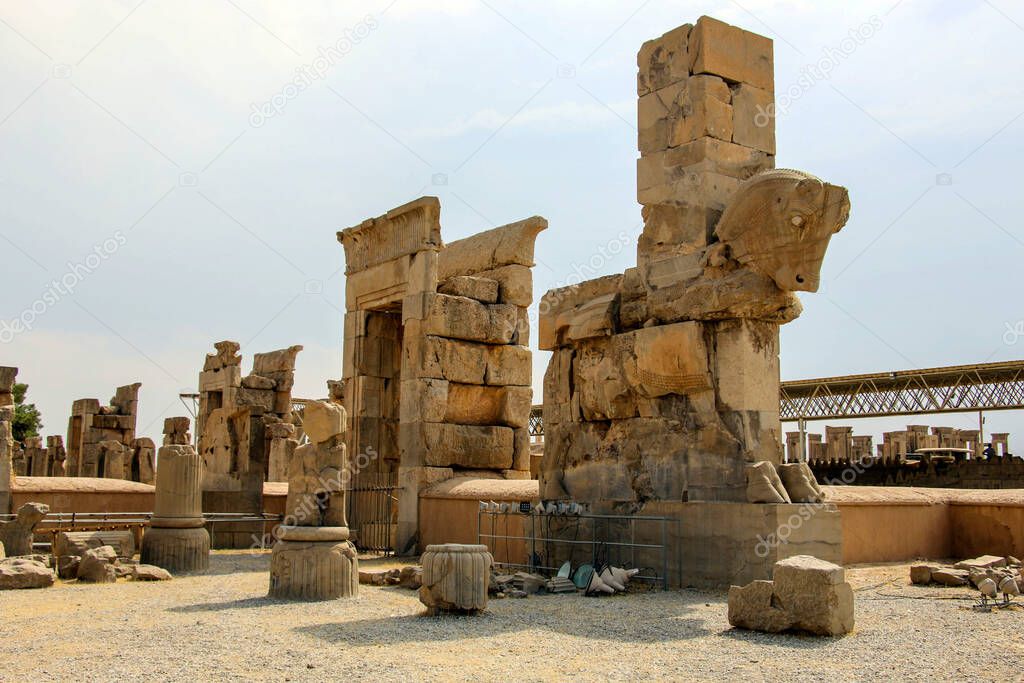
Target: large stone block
pixel 509 365
pixel 449 445
pixel 663 60
pixel 21 573
pixel 447 359
pixel 462 318
pixel 753 118
pixel 705 109
pixel 807 595
pixel 322 420
pixel 671 359
pixel 576 312
pixel 511 244
pixel 478 288
pixel 736 55
pixel 470 404
pixel 515 283
pixel 716 545
pixel 655 113
pixel 424 400
pixel 747 365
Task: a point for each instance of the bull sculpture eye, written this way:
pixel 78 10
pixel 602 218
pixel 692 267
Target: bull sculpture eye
pixel 797 220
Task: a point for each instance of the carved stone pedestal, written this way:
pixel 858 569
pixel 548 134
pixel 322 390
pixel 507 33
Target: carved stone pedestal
pixel 179 551
pixel 455 578
pixel 314 563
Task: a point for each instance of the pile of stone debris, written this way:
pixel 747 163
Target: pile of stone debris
pixel 587 581
pixel 410 577
pixel 971 572
pixel 90 556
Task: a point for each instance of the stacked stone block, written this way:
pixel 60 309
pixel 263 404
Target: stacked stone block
pixel 35 454
pixel 437 370
pixel 235 415
pixel 664 381
pixel 100 438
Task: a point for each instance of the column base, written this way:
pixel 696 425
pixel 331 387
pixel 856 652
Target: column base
pixel 314 570
pixel 179 551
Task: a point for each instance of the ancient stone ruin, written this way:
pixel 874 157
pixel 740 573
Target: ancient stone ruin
pixel 176 539
pixel 437 371
pixel 56 456
pixel 7 377
pixel 17 535
pixel 235 417
pixel 101 438
pixel 455 578
pixel 313 558
pixel 806 594
pixel 664 381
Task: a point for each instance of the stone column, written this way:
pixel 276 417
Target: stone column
pixel 177 540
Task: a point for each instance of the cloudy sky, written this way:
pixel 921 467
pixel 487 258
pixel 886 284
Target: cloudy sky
pixel 180 169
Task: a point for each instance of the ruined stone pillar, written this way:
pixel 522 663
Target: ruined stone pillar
pixel 313 558
pixel 7 377
pixel 177 540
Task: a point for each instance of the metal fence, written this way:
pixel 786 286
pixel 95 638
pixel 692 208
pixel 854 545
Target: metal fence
pixel 58 522
pixel 373 511
pixel 548 540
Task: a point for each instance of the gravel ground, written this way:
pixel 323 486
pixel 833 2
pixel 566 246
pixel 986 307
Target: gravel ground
pixel 222 626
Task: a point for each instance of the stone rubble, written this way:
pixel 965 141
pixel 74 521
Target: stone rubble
pixel 806 595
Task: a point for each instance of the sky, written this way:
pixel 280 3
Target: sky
pixel 173 173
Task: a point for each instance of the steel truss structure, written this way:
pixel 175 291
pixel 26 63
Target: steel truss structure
pixel 956 389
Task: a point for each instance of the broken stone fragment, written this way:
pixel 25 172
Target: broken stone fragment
pixel 322 420
pixel 258 382
pixel 800 483
pixel 983 562
pixel 147 572
pixel 764 484
pixel 921 574
pixel 951 577
pixel 98 565
pixel 20 573
pixel 738 56
pixel 806 594
pixel 16 536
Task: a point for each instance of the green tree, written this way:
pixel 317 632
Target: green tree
pixel 27 419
